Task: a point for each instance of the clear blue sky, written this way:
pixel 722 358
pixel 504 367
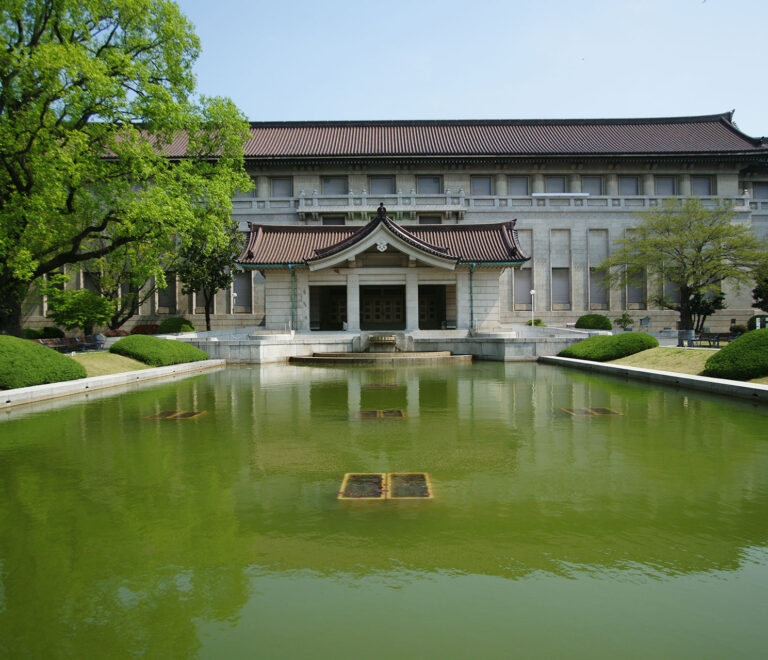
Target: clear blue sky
pixel 485 59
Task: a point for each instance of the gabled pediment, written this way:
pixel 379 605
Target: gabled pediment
pixel 382 234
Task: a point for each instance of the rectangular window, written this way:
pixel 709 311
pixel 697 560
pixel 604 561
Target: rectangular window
pixel 592 185
pixel 561 288
pixel 636 293
pixel 629 185
pixel 166 298
pixel 429 185
pixel 281 186
pixel 333 220
pixel 554 184
pixel 335 185
pixel 381 185
pixel 701 186
pixel 241 294
pixel 664 185
pixel 523 286
pixel 518 186
pixel 481 185
pixel 598 293
pixel 760 190
pixel 430 220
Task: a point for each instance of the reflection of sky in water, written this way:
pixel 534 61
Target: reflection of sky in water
pixel 548 534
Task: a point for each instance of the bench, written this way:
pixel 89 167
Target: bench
pixel 709 339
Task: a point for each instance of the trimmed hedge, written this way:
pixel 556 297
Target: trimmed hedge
pixel 743 359
pixel 604 348
pixel 157 352
pixel 594 322
pixel 175 324
pixel 24 363
pixel 752 323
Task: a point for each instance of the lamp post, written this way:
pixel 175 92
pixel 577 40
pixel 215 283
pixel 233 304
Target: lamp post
pixel 533 293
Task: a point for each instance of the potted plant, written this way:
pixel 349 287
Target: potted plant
pixel 625 322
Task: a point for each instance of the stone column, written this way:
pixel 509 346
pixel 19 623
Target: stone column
pixel 462 299
pixel 685 185
pixel 500 185
pixel 412 300
pixel 648 185
pixel 353 302
pixel 612 185
pixel 262 187
pixel 574 183
pixel 537 183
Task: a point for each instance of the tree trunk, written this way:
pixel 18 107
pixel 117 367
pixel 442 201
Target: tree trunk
pixel 208 305
pixel 12 295
pixel 686 318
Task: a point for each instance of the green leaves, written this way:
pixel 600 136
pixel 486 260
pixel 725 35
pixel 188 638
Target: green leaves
pixel 92 93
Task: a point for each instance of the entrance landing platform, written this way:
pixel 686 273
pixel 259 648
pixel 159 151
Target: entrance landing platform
pixel 423 357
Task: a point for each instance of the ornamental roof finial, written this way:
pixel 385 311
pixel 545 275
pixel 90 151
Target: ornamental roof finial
pixel 382 211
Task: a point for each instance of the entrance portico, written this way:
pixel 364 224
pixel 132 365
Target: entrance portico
pixel 382 276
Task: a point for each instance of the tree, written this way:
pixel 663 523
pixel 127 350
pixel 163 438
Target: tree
pixel 760 292
pixel 129 277
pixel 102 141
pixel 78 308
pixel 703 306
pixel 205 266
pixel 690 246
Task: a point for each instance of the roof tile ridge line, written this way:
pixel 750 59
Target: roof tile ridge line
pixel 358 235
pixel 408 236
pixel 515 238
pixel 487 122
pixel 727 119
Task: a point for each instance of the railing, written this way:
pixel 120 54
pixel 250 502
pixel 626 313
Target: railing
pixel 458 200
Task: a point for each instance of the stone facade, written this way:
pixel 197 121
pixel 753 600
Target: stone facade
pixel 570 210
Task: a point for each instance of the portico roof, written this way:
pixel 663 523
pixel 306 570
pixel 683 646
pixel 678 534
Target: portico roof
pixel 298 245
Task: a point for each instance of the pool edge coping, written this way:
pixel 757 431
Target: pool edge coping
pixel 36 393
pixel 734 388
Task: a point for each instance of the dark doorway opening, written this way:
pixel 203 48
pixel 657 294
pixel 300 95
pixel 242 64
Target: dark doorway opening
pixel 327 307
pixel 432 314
pixel 382 308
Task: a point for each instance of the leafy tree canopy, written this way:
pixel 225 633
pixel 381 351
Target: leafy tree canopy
pixel 760 292
pixel 205 266
pixel 92 93
pixel 693 247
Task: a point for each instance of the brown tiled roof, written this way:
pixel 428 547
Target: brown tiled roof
pixel 280 245
pixel 338 139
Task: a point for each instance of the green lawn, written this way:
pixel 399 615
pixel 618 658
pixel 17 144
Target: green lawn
pixel 680 360
pixel 101 363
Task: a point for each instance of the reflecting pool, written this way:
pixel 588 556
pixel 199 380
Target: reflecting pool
pixel 132 526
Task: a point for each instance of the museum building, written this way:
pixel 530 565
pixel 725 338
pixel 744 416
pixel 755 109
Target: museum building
pixel 547 200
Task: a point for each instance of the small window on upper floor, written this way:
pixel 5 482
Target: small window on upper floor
pixel 333 220
pixel 760 190
pixel 429 185
pixel 430 220
pixel 481 185
pixel 518 186
pixel 335 185
pixel 381 185
pixel 281 186
pixel 701 186
pixel 629 185
pixel 592 185
pixel 664 185
pixel 554 184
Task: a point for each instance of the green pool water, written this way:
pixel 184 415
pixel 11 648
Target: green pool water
pixel 642 534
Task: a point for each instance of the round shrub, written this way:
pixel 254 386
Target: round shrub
pixel 594 322
pixel 752 323
pixel 604 348
pixel 24 363
pixel 175 324
pixel 32 333
pixel 743 359
pixel 157 352
pixel 52 332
